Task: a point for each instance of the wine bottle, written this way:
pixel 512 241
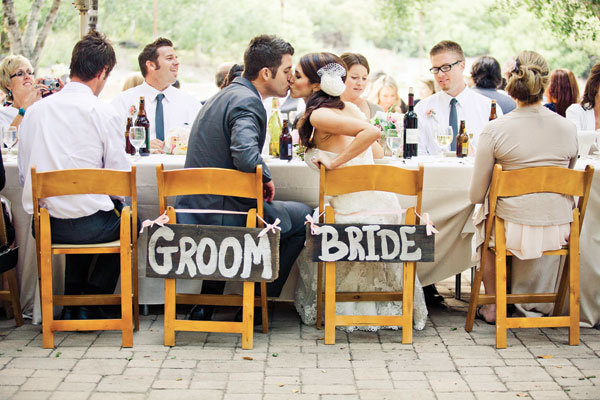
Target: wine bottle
pixel 274 127
pixel 285 143
pixel 411 124
pixel 129 149
pixel 142 120
pixel 493 114
pixel 462 141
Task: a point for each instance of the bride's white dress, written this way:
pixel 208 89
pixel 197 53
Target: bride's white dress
pixel 357 276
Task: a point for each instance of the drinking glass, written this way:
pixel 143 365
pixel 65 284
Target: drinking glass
pixel 10 136
pixel 444 138
pixel 393 141
pixel 137 137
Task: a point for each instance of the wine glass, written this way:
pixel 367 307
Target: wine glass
pixel 393 141
pixel 444 137
pixel 10 136
pixel 137 137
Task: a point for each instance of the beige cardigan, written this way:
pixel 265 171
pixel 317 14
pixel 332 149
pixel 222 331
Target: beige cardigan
pixel 531 136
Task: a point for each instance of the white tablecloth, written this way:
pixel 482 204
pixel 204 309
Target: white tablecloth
pixel 445 198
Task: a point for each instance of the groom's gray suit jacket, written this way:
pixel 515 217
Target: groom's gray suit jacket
pixel 229 132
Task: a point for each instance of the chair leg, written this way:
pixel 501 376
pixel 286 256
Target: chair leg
pixel 170 299
pixel 319 294
pixel 329 303
pixel 500 286
pixel 562 289
pixel 264 307
pixel 248 315
pixel 13 287
pixel 407 302
pixel 474 299
pixel 47 303
pixel 574 282
pixel 136 297
pixel 126 297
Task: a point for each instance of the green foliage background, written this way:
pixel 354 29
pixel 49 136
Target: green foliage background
pixel 208 31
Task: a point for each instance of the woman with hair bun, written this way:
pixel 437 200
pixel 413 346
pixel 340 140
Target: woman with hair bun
pixel 336 134
pixel 529 136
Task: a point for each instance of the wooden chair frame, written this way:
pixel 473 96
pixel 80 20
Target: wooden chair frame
pixel 516 183
pixel 224 182
pixel 87 181
pixel 12 294
pixel 355 179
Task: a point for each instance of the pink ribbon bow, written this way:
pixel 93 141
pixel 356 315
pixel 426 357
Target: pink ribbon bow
pixel 429 227
pixel 160 221
pixel 269 227
pixel 314 228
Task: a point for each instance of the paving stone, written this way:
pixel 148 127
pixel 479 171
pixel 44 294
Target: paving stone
pixel 329 389
pixel 141 371
pixel 118 396
pixel 231 366
pixel 236 396
pixel 174 394
pixel 66 387
pixel 411 385
pixel 532 386
pixel 70 395
pixel 472 352
pixel 408 376
pixel 582 393
pixel 500 395
pixel 396 394
pixel 270 371
pixel 249 387
pixel 455 396
pixel 7 391
pixel 45 383
pixel 294 396
pixel 73 377
pixel 124 383
pixel 108 353
pixel 371 373
pixel 42 363
pixel 100 366
pixel 446 382
pixel 171 384
pixel 330 376
pixel 549 395
pixel 174 363
pixel 509 374
pixel 486 382
pixel 6 380
pixel 38 395
pixel 374 384
pixel 282 389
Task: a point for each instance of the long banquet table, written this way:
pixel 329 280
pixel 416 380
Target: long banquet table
pixel 445 198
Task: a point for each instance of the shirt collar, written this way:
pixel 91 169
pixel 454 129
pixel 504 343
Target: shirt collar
pixel 461 97
pixel 78 87
pixel 153 91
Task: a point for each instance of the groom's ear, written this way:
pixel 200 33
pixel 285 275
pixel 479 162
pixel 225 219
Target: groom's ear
pixel 265 73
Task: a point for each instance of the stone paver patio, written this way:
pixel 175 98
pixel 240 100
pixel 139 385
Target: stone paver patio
pixel 291 362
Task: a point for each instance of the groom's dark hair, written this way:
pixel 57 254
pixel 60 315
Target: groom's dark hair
pixel 265 51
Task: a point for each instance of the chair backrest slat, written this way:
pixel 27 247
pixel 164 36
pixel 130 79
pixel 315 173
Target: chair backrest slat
pixel 541 180
pixel 83 181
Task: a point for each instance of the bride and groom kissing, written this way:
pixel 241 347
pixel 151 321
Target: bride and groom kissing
pixel 229 132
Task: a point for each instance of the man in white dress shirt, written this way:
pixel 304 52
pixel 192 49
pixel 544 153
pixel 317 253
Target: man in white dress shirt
pixel 455 102
pixel 166 106
pixel 73 129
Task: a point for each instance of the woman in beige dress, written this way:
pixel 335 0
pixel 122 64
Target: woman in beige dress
pixel 529 136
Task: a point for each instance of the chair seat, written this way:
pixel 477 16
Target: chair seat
pixel 114 243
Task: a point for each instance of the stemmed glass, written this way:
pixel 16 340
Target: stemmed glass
pixel 137 137
pixel 393 141
pixel 10 136
pixel 444 138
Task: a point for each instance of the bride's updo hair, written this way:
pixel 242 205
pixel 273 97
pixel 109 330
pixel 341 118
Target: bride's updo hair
pixel 529 79
pixel 310 64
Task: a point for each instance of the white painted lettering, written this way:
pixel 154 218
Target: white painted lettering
pixel 355 235
pixel 187 248
pixel 167 234
pixel 234 244
pixel 386 234
pixel 370 229
pixel 405 255
pixel 329 241
pixel 210 267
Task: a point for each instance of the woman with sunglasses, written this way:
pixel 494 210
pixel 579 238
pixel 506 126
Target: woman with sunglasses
pixel 17 81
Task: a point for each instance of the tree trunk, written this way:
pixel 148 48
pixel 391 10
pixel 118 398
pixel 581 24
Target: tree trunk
pixel 24 44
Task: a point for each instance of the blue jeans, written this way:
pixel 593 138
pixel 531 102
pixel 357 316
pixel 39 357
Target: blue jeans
pixel 100 227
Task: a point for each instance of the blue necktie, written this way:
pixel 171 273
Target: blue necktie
pixel 158 118
pixel 453 123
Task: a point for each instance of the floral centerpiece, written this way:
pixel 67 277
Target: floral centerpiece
pixel 177 140
pixel 388 123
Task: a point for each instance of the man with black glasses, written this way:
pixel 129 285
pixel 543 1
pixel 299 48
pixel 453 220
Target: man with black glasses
pixel 454 103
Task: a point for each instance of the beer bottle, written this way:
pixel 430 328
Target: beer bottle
pixel 411 133
pixel 142 120
pixel 493 114
pixel 274 128
pixel 285 143
pixel 129 149
pixel 462 141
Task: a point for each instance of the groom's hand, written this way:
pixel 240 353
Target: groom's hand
pixel 268 191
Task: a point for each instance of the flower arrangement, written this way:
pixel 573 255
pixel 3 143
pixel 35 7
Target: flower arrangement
pixel 385 121
pixel 132 110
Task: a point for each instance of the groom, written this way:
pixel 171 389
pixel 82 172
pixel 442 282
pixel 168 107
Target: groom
pixel 229 132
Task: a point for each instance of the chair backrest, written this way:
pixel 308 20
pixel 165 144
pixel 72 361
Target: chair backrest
pixel 539 180
pixel 215 181
pixel 358 178
pixel 83 181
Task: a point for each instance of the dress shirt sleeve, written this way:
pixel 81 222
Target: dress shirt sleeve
pixel 245 128
pixel 26 130
pixel 576 115
pixel 114 141
pixel 484 166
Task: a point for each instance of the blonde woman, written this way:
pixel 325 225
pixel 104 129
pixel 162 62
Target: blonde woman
pixel 384 93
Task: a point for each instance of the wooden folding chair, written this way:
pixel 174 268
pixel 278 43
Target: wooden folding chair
pixel 11 295
pixel 86 181
pixel 223 182
pixel 356 179
pixel 517 183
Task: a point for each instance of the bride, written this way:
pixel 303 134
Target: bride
pixel 336 134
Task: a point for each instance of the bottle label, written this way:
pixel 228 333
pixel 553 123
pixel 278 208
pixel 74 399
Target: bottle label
pixel 412 136
pixel 465 149
pixel 290 152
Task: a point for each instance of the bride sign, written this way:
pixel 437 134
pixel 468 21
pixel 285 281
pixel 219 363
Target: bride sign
pixel 222 253
pixel 370 243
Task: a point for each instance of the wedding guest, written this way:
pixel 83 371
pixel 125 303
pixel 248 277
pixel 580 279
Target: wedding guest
pixel 487 77
pixel 529 136
pixel 166 106
pixel 385 94
pixel 455 101
pixel 562 91
pixel 17 81
pixel 222 72
pixel 426 88
pixel 229 132
pixel 74 129
pixel 586 114
pixel 134 79
pixel 235 71
pixel 356 83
